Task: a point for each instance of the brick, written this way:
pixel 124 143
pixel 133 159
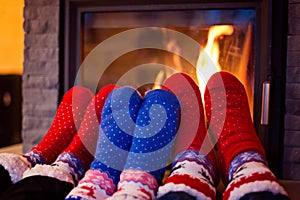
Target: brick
pixel 41 26
pixel 294 26
pixel 293 74
pixel 42 2
pixel 41 110
pixel 292 106
pixel 41 54
pixel 40 96
pixel 43 68
pixel 37 81
pixel 292 138
pixel 293 59
pixel 292 122
pixel 42 40
pixel 32 137
pixel 293 43
pixel 291 171
pixel 32 123
pixel 294 11
pixel 44 12
pixel 292 91
pixel 291 154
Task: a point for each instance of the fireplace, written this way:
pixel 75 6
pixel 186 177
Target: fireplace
pixel 242 44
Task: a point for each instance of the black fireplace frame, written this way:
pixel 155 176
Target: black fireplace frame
pixel 270 43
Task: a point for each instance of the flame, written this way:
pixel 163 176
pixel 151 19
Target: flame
pixel 208 60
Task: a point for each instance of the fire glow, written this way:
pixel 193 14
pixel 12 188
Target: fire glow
pixel 208 60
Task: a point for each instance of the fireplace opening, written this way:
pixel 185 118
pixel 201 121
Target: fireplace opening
pixel 233 36
pixel 224 35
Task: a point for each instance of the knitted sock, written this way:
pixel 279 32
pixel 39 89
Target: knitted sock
pixel 194 170
pixel 75 160
pixel 156 126
pixel 83 146
pixel 240 152
pixel 66 122
pixel 115 138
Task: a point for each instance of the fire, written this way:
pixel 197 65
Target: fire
pixel 208 60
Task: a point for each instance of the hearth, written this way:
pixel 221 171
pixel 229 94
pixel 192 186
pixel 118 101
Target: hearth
pixel 237 36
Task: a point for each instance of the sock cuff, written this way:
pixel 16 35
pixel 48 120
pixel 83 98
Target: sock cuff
pixel 34 157
pixel 49 171
pixel 198 158
pixel 198 188
pixel 73 163
pixel 252 177
pixel 95 177
pixel 243 158
pixel 258 182
pixel 138 176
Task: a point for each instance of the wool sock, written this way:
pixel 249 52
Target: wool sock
pixel 71 164
pixel 194 169
pixel 84 143
pixel 114 141
pixel 65 125
pixel 153 138
pixel 241 155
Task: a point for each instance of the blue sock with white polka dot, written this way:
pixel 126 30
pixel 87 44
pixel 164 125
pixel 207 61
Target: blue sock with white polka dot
pixel 153 138
pixel 114 141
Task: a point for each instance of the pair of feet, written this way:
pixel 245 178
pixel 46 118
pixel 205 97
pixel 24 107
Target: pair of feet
pixel 241 157
pixel 136 137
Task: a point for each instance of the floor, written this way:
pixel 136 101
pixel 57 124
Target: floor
pixel 292 187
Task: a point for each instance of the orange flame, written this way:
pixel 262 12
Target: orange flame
pixel 208 60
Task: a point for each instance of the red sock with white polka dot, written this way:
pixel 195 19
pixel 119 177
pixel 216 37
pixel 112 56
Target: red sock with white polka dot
pixel 66 122
pixel 241 155
pixel 195 154
pixel 83 145
pixel 72 163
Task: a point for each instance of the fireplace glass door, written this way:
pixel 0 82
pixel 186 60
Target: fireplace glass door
pixel 225 38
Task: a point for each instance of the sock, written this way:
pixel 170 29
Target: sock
pixel 156 126
pixel 71 164
pixel 196 150
pixel 115 138
pixel 241 155
pixel 66 122
pixel 80 152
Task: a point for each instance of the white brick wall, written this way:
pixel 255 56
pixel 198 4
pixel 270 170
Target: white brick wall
pixel 41 69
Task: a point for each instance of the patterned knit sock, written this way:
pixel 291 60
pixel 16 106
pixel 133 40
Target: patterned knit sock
pixel 186 175
pixel 83 146
pixel 156 126
pixel 76 159
pixel 65 125
pixel 115 138
pixel 240 152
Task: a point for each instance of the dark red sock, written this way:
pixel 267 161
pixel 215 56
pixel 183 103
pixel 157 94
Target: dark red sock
pixel 194 144
pixel 227 110
pixel 192 133
pixel 242 157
